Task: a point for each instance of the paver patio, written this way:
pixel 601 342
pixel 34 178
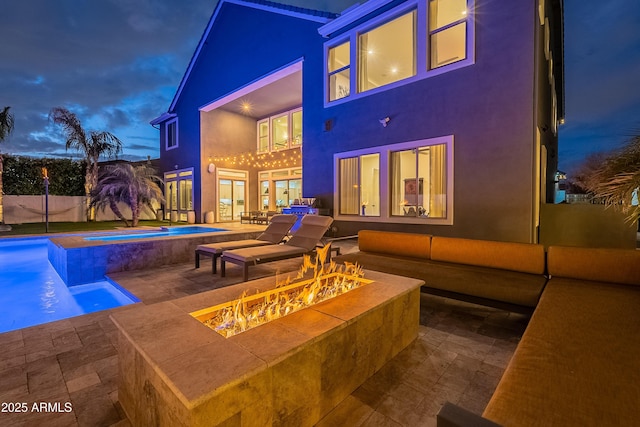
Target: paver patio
pixel 459 356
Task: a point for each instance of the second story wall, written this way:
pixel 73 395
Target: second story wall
pixel 488 108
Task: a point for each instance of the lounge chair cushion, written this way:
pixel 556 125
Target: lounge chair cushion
pixel 278 228
pixel 263 253
pixel 219 247
pixel 311 230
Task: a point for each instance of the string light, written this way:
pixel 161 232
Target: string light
pixel 262 161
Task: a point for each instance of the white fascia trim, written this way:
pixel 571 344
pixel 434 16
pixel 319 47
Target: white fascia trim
pixel 265 80
pixel 205 35
pixel 161 118
pixel 350 16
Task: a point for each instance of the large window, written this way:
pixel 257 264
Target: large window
pixel 418 182
pixel 409 182
pixel 280 132
pixel 171 134
pixel 280 188
pixel 415 40
pixel 387 53
pixel 359 179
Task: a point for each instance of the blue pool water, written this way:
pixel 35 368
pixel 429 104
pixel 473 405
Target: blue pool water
pixel 165 231
pixel 32 292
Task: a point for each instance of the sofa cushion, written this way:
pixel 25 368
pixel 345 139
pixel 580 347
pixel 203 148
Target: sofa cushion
pixel 603 265
pixel 500 285
pixel 522 257
pixel 397 244
pixel 577 362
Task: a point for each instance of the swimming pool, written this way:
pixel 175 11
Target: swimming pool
pixel 163 232
pixel 32 292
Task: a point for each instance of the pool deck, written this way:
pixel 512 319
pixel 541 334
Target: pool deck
pixel 459 356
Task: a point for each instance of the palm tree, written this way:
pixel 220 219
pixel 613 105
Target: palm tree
pixel 6 127
pixel 92 144
pixel 618 179
pixel 136 186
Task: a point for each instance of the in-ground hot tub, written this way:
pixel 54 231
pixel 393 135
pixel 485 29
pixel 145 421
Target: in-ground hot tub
pixel 79 260
pixel 175 371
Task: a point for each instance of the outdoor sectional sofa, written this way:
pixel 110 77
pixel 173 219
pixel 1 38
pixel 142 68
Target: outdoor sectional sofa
pixel 578 361
pixel 500 274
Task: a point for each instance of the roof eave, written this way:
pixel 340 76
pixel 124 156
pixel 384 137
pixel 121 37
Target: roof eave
pixel 351 15
pixel 162 118
pixel 205 35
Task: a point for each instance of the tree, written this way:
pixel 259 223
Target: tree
pixel 6 127
pixel 92 144
pixel 135 186
pixel 585 177
pixel 618 178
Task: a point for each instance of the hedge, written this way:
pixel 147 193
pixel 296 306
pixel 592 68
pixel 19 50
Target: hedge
pixel 22 176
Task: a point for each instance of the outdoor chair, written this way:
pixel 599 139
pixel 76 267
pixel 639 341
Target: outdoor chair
pixel 275 232
pixel 305 240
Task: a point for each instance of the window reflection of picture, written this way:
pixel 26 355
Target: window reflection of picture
pixel 343 91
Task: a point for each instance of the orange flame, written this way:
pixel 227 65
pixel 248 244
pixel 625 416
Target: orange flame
pixel 327 281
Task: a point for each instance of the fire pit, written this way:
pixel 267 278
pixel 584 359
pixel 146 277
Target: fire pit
pixel 327 281
pixel 176 371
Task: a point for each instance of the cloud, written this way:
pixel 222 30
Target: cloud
pixel 116 63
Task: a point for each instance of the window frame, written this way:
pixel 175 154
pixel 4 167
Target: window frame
pixel 268 136
pixel 168 147
pixel 423 51
pixel 338 70
pixel 385 182
pixel 290 137
pixel 360 205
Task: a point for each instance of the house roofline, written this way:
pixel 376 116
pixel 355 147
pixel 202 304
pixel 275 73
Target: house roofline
pixel 351 15
pixel 262 5
pixel 162 118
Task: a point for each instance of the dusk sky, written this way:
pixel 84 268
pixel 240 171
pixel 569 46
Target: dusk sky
pixel 117 64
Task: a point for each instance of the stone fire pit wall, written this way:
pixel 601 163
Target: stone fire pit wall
pixel 174 371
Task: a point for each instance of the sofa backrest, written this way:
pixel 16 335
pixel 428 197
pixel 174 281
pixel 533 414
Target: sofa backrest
pixel 521 257
pixel 392 243
pixel 597 264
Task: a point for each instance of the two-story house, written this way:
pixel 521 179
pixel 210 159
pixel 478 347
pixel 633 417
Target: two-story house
pixel 433 116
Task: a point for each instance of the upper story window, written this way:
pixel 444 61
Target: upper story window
pixel 339 74
pixel 171 134
pixel 415 40
pixel 280 132
pixel 447 31
pixel 387 53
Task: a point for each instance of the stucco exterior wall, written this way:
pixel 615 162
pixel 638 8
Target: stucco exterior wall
pixel 224 132
pixel 489 109
pixel 244 44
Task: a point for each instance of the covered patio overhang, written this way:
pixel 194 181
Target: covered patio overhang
pixel 250 146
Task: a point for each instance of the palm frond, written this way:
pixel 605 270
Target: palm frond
pixel 6 123
pixel 71 126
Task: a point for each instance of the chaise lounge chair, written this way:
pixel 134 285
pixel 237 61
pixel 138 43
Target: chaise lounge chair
pixel 304 241
pixel 273 234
